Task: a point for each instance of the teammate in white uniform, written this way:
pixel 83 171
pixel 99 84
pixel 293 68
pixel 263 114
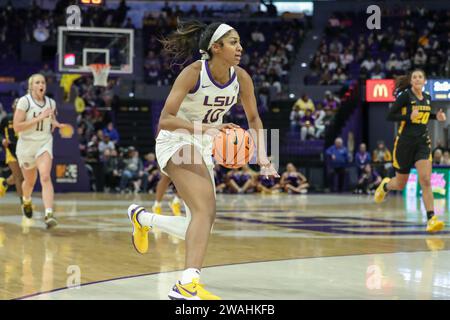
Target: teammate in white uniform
pixel 34 120
pixel 202 93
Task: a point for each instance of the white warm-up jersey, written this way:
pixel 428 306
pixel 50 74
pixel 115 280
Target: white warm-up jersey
pixel 42 131
pixel 209 101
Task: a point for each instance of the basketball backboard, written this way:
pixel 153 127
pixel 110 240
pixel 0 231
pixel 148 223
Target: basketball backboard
pixel 78 48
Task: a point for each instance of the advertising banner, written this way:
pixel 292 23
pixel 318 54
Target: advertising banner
pixel 440 178
pixel 380 90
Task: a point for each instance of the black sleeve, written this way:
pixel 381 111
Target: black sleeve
pixel 395 112
pixel 432 115
pixel 3 125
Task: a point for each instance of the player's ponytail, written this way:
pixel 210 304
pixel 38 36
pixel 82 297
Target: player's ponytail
pixel 189 37
pixel 402 83
pixel 181 44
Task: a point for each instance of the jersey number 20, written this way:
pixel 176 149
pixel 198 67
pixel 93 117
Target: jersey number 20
pixel 422 118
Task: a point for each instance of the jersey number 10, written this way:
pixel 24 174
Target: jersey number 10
pixel 213 115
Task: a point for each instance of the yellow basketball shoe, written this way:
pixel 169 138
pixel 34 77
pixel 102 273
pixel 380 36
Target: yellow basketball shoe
pixel 175 206
pixel 380 194
pixel 191 291
pixel 139 237
pixel 434 225
pixel 156 208
pixel 3 187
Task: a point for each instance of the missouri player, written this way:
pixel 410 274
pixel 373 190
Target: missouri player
pixel 412 145
pixel 9 141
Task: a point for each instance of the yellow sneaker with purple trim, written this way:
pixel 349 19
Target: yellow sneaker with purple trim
pixel 191 291
pixel 139 237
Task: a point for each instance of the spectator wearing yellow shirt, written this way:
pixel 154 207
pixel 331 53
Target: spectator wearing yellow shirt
pixel 382 158
pixel 304 103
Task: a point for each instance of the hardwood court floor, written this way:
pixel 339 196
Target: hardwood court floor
pixel 308 247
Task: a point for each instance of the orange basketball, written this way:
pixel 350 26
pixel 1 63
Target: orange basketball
pixel 233 148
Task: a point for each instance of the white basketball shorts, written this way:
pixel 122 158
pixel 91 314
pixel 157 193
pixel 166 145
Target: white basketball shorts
pixel 28 151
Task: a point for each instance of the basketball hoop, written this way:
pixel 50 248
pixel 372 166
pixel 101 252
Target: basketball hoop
pixel 100 72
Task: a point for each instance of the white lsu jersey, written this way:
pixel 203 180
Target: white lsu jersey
pixel 41 131
pixel 209 101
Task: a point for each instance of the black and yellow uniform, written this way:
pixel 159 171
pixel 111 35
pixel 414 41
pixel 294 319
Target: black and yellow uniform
pixel 7 132
pixel 413 142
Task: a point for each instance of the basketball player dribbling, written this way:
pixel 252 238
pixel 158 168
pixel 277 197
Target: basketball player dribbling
pixel 202 93
pixel 34 120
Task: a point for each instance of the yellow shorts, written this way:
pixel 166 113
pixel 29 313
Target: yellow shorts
pixel 9 157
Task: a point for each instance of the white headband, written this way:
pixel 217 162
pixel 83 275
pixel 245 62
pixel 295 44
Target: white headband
pixel 220 31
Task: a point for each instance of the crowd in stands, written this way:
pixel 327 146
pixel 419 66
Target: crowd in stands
pixel 421 39
pixel 269 48
pixel 410 38
pixel 441 156
pixel 370 167
pixel 19 24
pixel 121 169
pixel 311 119
pixel 114 167
pixel 245 180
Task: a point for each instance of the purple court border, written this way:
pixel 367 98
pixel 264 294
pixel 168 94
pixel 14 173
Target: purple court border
pixel 320 224
pixel 213 266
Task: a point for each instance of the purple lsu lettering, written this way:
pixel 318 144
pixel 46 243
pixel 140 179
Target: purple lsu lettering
pixel 219 101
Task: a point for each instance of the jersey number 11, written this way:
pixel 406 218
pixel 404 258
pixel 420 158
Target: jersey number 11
pixel 40 124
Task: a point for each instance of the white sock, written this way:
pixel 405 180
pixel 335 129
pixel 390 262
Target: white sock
pixel 48 211
pixel 26 199
pixel 173 225
pixel 176 200
pixel 157 203
pixel 189 274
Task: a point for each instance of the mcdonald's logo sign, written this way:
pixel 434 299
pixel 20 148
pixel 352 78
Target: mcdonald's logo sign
pixel 380 90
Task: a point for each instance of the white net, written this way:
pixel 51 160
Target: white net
pixel 100 72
